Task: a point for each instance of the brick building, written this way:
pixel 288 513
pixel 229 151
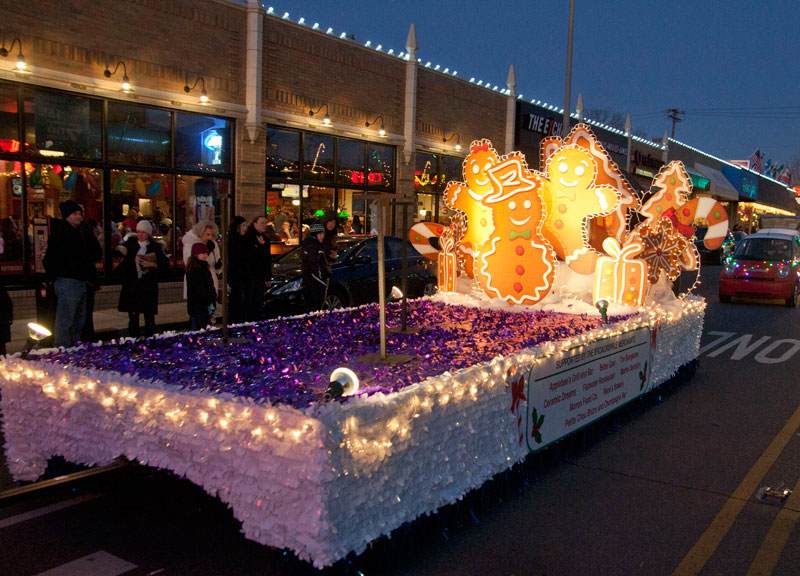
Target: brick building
pixel 71 127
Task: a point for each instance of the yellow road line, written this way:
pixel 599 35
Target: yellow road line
pixel 704 548
pixel 770 552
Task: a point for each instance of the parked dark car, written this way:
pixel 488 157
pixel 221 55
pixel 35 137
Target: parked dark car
pixel 354 276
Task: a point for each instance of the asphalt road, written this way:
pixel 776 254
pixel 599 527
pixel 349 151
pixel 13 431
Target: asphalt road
pixel 671 486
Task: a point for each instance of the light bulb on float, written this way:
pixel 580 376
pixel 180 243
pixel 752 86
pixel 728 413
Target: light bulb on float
pixel 344 382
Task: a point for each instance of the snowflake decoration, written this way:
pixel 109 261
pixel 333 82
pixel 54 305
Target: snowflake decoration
pixel 663 246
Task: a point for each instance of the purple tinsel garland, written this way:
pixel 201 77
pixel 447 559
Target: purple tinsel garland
pixel 289 360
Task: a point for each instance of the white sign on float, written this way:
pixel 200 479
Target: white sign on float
pixel 568 391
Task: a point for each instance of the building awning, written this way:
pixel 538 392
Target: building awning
pixel 699 182
pixel 720 186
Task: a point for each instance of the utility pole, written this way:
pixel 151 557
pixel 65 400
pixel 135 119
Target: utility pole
pixel 674 115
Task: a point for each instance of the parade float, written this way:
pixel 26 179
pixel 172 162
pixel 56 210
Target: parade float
pixel 554 310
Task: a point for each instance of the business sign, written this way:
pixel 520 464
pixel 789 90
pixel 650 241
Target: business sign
pixel 570 390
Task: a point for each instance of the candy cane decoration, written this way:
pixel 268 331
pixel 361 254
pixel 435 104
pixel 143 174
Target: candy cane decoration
pixel 714 213
pixel 424 237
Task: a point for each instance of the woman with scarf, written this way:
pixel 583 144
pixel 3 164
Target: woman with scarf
pixel 143 261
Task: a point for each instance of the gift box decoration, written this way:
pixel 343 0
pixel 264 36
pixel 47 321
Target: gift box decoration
pixel 620 277
pixel 448 262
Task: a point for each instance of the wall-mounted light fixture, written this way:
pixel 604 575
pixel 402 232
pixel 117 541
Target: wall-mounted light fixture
pixel 126 83
pixel 381 131
pixel 326 120
pixel 21 66
pixel 203 94
pixel 455 135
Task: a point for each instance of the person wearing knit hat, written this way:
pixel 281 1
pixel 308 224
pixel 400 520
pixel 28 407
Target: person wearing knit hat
pixel 144 226
pixel 199 248
pixel 143 261
pixel 72 250
pixel 69 207
pixel 201 296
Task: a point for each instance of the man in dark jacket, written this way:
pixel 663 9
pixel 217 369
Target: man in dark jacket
pixel 256 273
pixel 72 250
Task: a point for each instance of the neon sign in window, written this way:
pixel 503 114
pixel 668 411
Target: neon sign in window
pixel 212 142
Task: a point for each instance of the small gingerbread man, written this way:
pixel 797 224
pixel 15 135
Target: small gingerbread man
pixel 571 196
pixel 467 200
pixel 516 263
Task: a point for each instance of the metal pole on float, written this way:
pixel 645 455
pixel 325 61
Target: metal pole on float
pixel 568 86
pixel 382 275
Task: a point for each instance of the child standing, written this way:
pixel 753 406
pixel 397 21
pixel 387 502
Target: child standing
pixel 201 296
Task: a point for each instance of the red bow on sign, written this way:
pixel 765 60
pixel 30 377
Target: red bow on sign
pixel 686 231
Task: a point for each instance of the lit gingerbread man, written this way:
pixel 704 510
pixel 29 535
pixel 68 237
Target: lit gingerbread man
pixel 467 200
pixel 516 263
pixel 570 197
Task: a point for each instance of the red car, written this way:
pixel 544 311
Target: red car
pixel 764 265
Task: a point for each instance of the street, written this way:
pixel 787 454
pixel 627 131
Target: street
pixel 670 486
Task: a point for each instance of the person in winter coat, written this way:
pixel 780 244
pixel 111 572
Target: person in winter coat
pixel 206 232
pixel 256 270
pixel 72 250
pixel 315 269
pixel 201 296
pixel 330 221
pixel 143 260
pixel 236 255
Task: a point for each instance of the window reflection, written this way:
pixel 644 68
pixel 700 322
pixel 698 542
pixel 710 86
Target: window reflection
pixel 9 122
pixel 283 154
pixel 63 125
pixel 318 157
pixel 138 134
pixel 351 162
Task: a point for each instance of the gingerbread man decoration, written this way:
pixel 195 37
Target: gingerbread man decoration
pixel 467 200
pixel 614 225
pixel 516 263
pixel 571 196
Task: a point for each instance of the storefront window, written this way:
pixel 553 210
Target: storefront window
pixel 432 172
pixel 202 142
pixel 134 196
pixel 319 201
pixel 11 232
pixel 425 176
pixel 63 125
pixel 48 185
pixel 381 165
pixel 351 163
pixel 9 120
pixel 318 157
pixel 138 134
pixel 197 198
pixel 283 154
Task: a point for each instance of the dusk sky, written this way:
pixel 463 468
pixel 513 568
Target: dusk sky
pixel 732 66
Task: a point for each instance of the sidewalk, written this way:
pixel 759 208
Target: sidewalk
pixel 109 323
